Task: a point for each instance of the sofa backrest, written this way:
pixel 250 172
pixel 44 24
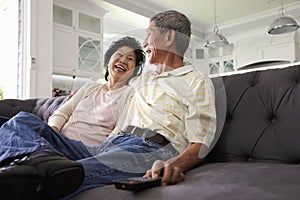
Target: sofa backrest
pixel 45 107
pixel 262 117
pixel 258 115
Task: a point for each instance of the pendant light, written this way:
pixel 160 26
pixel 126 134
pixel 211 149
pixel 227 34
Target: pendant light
pixel 283 24
pixel 216 39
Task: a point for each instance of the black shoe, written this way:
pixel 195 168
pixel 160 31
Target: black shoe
pixel 20 182
pixel 40 177
pixel 61 175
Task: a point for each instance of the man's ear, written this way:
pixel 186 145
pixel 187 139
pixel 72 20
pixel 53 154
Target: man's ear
pixel 170 37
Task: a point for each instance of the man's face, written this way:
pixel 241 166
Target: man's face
pixel 154 44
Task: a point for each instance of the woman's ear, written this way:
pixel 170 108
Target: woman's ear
pixel 170 37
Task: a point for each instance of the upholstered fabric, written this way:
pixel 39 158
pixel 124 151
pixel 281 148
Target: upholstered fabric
pixel 262 122
pixel 45 107
pixel 41 107
pixel 10 107
pixel 218 181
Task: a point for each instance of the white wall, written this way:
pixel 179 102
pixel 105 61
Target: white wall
pixel 35 73
pixel 9 47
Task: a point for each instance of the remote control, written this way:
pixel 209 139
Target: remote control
pixel 136 184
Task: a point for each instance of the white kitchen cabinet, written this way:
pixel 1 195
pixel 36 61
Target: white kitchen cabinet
pixel 248 57
pixel 221 64
pixel 64 51
pixel 284 52
pixel 254 51
pixel 77 40
pixel 266 48
pixel 89 56
pixel 276 52
pixel 221 59
pixel 197 55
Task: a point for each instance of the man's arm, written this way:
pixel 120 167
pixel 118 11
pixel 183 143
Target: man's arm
pixel 172 170
pixel 200 117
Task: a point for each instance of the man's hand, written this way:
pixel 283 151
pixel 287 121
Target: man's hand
pixel 172 170
pixel 170 174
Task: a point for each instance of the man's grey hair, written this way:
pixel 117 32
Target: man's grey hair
pixel 174 20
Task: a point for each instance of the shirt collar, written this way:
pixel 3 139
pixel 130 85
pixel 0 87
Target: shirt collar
pixel 178 72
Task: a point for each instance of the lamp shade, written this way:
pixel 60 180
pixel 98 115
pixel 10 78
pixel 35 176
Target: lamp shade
pixel 283 24
pixel 216 40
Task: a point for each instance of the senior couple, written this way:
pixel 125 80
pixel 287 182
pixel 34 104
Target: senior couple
pixel 169 119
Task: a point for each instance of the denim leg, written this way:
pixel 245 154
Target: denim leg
pixel 72 149
pixel 55 141
pixel 26 133
pixel 121 156
pixel 18 136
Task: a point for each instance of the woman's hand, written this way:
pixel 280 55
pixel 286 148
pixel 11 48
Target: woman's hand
pixel 54 128
pixel 170 174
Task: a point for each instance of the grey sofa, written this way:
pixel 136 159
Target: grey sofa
pixel 256 156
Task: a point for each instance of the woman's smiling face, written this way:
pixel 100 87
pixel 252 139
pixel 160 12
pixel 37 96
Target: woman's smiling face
pixel 122 63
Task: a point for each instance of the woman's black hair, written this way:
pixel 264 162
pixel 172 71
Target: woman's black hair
pixel 129 42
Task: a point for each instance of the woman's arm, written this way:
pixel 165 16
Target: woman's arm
pixel 62 114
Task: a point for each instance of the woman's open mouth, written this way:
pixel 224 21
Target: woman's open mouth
pixel 120 68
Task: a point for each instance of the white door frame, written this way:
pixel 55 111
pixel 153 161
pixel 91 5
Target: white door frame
pixel 37 40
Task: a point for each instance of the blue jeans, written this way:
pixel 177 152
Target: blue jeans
pixel 120 156
pixel 26 133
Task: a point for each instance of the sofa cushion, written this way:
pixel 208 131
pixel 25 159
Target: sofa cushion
pixel 231 180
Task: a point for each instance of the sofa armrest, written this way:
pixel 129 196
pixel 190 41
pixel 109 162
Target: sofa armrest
pixel 10 107
pixel 41 107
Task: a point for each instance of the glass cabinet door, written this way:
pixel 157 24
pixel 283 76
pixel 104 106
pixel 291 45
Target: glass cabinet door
pixel 89 23
pixel 228 65
pixel 89 55
pixel 63 16
pixel 214 68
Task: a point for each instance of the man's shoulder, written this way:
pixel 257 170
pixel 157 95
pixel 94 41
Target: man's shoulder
pixel 137 79
pixel 196 72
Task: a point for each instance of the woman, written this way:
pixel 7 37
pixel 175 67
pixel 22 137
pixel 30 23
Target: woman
pixel 88 116
pixel 91 114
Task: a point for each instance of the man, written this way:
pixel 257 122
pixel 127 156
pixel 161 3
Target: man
pixel 167 39
pixel 171 118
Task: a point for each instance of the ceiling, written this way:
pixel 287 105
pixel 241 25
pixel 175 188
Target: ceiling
pixel 231 15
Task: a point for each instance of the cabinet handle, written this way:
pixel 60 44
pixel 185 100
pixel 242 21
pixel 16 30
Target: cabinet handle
pixel 33 60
